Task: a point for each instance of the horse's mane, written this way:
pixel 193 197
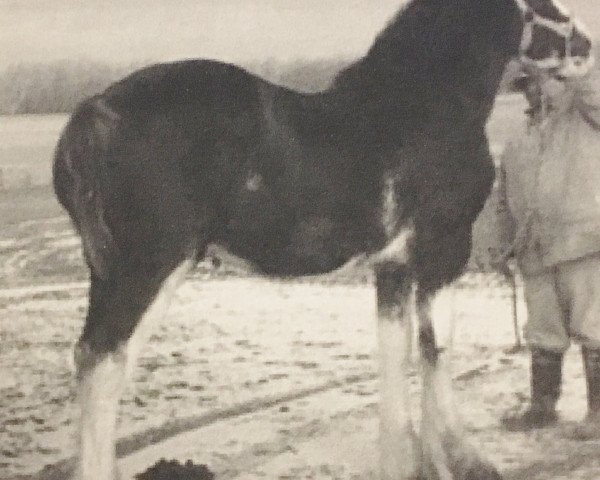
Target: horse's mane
pixel 435 67
pixel 433 40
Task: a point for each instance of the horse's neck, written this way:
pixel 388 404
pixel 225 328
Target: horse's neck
pixel 456 47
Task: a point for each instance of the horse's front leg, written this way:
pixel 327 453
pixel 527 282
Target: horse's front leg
pixel 399 446
pixel 446 453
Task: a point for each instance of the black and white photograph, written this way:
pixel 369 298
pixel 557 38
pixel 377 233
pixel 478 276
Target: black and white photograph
pixel 299 240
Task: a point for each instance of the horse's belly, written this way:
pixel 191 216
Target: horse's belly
pixel 312 245
pixel 284 232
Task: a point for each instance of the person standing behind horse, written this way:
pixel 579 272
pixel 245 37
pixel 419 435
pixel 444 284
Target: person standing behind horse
pixel 549 220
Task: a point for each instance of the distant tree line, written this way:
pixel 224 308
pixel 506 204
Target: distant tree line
pixel 57 87
pixel 52 88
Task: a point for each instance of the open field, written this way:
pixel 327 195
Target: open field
pixel 263 379
pixel 26 147
pixel 22 205
pixel 259 379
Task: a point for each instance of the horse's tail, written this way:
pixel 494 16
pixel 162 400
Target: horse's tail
pixel 80 179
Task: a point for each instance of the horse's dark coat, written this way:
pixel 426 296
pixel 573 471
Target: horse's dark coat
pixel 391 161
pixel 180 155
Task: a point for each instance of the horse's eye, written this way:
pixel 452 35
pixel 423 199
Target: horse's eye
pixel 528 15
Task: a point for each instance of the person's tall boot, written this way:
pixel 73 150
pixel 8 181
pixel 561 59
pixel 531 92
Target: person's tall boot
pixel 589 428
pixel 546 380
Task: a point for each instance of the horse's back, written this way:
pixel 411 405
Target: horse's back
pixel 200 151
pixel 145 161
pixel 167 86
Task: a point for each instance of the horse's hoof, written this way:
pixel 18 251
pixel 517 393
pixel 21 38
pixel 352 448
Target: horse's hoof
pixel 479 471
pixel 174 470
pixel 400 454
pixel 457 460
pixel 470 467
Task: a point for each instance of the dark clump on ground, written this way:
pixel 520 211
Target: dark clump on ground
pixel 174 470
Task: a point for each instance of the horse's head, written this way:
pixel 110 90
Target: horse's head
pixel 552 40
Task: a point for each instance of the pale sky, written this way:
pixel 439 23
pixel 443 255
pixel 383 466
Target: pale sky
pixel 125 30
pixel 234 30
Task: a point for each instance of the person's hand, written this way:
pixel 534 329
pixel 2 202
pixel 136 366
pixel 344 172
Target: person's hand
pixel 500 260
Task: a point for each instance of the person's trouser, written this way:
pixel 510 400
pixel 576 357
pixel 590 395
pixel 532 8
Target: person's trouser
pixel 563 304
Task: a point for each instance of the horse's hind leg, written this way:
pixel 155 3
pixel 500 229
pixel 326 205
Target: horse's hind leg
pixel 121 309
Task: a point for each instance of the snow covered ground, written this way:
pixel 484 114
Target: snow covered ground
pixel 268 379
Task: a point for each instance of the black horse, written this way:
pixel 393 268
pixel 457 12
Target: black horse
pixel 392 161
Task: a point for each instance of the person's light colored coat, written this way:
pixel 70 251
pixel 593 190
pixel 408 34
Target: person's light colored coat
pixel 549 208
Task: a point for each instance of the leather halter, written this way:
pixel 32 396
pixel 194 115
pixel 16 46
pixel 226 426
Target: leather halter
pixel 569 65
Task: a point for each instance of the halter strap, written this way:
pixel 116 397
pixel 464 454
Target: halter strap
pixel 569 65
pixel 522 6
pixel 532 19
